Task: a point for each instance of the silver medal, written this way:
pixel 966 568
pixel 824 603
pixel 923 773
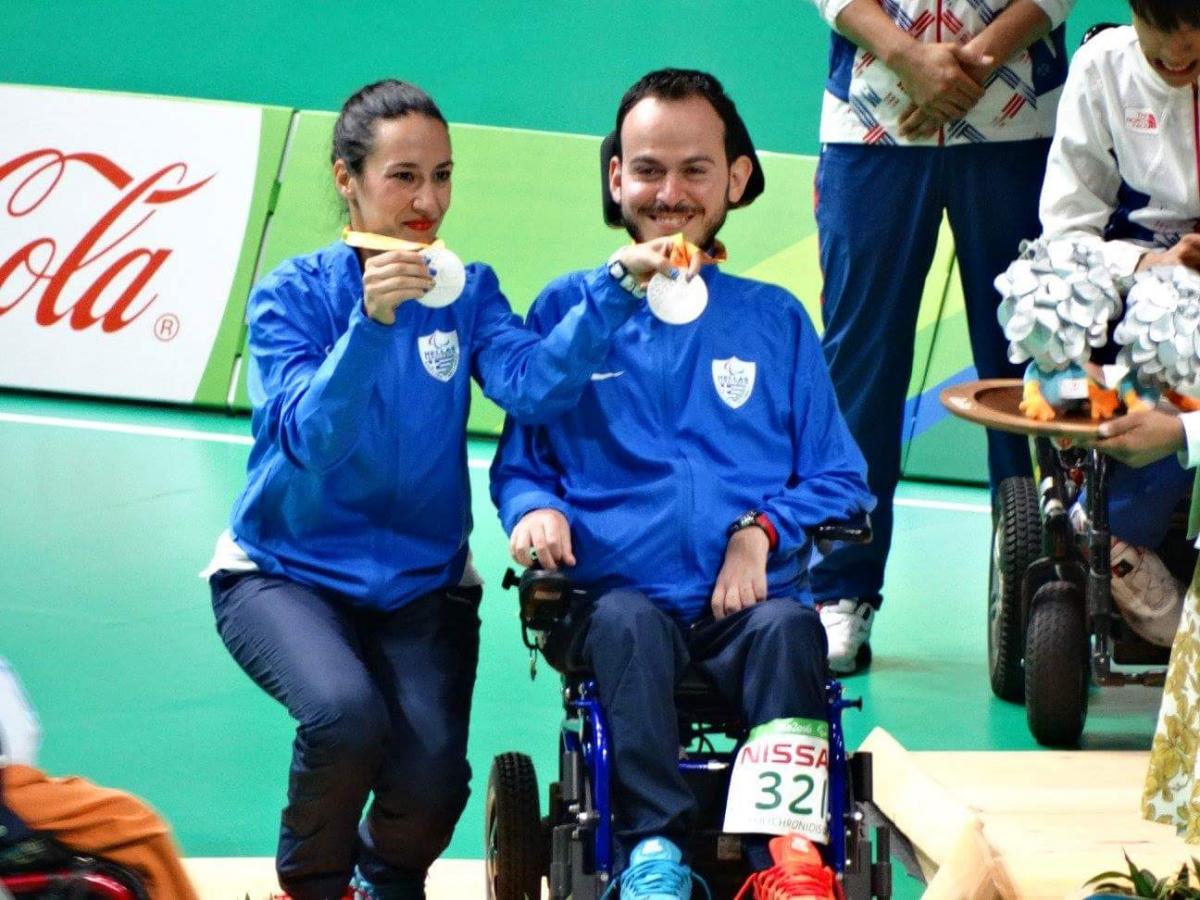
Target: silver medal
pixel 677 300
pixel 449 281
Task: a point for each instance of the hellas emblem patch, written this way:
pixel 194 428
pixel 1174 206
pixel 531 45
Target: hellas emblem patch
pixel 439 354
pixel 734 380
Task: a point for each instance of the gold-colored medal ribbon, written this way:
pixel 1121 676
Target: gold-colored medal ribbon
pixel 366 240
pixel 685 251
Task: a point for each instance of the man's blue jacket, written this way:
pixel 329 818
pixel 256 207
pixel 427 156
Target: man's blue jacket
pixel 683 429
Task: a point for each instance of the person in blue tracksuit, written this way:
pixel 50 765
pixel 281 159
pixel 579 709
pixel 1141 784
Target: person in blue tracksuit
pixel 344 585
pixel 681 490
pixel 931 108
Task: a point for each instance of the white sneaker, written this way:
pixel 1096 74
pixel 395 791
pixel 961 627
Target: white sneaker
pixel 848 631
pixel 1148 595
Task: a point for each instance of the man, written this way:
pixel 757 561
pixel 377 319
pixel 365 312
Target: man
pixel 682 487
pixel 931 107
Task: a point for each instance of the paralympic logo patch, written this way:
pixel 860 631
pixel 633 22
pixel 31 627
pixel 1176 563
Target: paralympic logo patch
pixel 439 354
pixel 734 380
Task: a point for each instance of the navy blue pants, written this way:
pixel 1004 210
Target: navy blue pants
pixel 1141 501
pixel 878 214
pixel 382 703
pixel 768 661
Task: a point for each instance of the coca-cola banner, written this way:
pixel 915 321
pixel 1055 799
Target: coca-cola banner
pixel 128 231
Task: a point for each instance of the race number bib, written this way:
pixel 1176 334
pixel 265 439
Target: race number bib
pixel 780 781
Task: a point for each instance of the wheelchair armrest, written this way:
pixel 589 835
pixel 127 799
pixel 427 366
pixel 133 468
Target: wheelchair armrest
pixel 851 531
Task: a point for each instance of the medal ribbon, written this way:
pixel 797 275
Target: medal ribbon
pixel 685 251
pixel 365 240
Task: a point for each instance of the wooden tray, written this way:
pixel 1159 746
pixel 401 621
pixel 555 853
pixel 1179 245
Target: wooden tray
pixel 995 403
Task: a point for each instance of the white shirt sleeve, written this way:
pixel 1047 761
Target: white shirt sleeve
pixel 1079 194
pixel 831 9
pixel 1189 456
pixel 20 733
pixel 1057 10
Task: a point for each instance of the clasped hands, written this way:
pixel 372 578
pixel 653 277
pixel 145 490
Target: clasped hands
pixel 944 81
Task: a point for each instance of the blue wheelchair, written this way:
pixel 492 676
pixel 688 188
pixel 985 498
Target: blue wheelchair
pixel 571 847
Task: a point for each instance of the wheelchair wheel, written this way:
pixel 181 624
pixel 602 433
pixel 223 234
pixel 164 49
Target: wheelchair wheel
pixel 513 830
pixel 1016 544
pixel 1057 669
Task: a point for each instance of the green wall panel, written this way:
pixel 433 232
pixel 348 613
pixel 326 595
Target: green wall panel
pixel 950 450
pixel 940 446
pixel 213 389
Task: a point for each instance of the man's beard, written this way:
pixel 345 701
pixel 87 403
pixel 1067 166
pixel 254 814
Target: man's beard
pixel 707 238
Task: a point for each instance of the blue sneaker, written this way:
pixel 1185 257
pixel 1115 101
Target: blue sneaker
pixel 656 872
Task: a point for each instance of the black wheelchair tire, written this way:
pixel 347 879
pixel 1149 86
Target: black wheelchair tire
pixel 1057 669
pixel 513 832
pixel 1016 544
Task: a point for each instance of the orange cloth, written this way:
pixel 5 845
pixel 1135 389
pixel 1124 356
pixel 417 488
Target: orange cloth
pixel 102 822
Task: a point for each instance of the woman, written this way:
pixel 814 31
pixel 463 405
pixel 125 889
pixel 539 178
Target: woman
pixel 344 586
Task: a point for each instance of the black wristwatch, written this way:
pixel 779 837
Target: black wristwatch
pixel 625 278
pixel 755 518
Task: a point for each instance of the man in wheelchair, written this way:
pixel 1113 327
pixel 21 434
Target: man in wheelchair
pixel 682 491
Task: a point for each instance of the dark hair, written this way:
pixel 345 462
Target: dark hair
pixel 1167 15
pixel 680 84
pixel 353 133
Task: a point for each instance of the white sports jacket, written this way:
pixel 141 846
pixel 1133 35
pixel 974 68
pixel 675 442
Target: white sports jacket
pixel 1125 163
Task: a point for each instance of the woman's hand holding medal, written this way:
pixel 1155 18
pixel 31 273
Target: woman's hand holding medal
pixel 391 278
pixel 403 270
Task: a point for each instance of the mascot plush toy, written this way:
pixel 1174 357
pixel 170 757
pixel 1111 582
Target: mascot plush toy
pixel 1160 339
pixel 1057 300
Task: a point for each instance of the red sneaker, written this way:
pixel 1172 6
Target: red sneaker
pixel 799 873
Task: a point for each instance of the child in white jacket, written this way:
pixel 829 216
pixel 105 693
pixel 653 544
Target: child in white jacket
pixel 1125 166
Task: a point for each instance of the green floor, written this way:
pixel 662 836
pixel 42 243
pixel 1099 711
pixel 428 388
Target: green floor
pixel 104 617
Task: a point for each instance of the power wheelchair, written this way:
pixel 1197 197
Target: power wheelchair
pixel 571 847
pixel 33 864
pixel 1053 629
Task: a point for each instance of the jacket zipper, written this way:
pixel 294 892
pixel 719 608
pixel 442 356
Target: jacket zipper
pixel 1196 130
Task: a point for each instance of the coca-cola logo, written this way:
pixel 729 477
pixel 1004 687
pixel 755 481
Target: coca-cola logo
pixel 104 278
